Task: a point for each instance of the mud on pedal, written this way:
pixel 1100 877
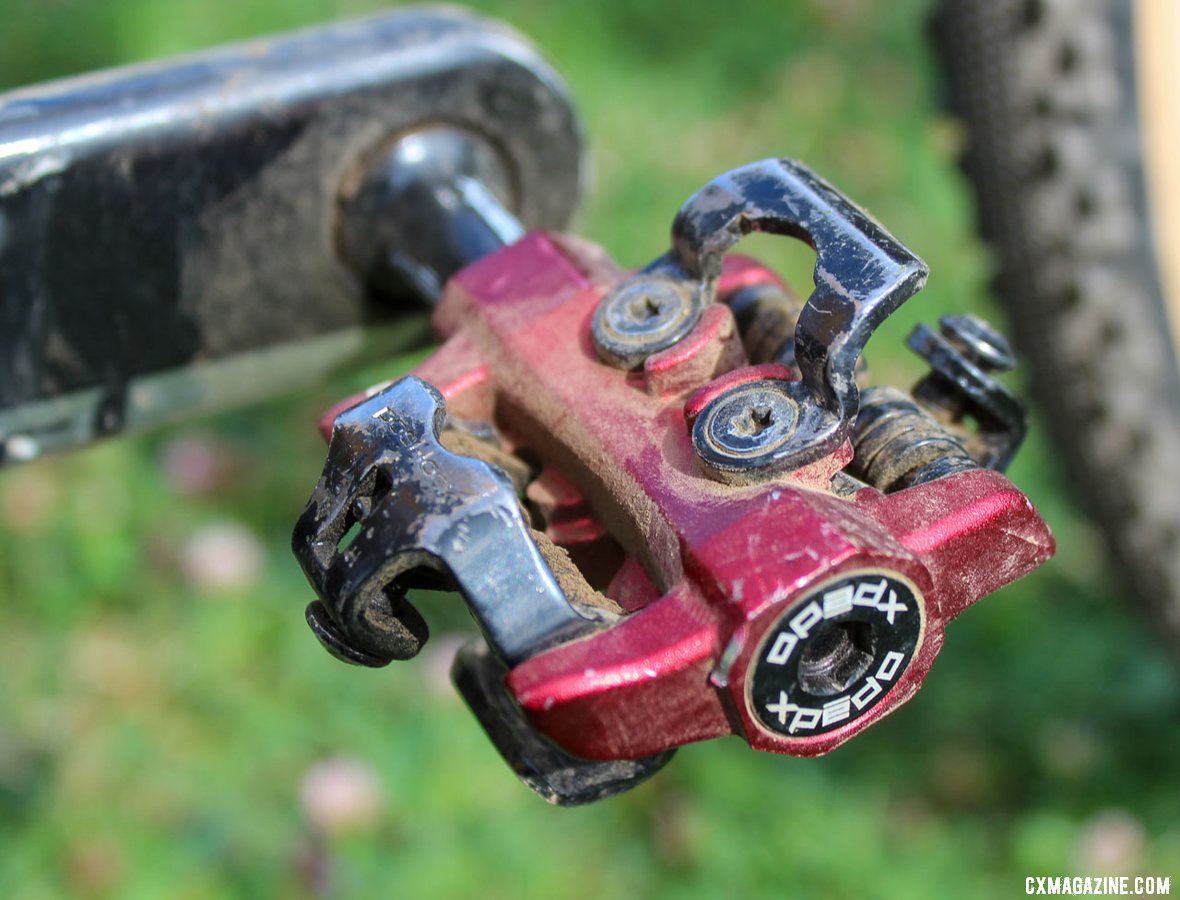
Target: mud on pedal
pixel 670 500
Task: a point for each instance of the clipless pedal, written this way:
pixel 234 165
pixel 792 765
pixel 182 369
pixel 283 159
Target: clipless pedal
pixel 670 499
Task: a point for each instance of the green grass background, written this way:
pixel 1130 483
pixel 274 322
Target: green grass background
pixel 153 737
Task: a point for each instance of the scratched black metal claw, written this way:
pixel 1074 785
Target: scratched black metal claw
pixel 324 627
pixel 420 507
pixel 550 772
pixel 862 274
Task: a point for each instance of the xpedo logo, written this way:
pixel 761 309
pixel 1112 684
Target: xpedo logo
pixel 833 656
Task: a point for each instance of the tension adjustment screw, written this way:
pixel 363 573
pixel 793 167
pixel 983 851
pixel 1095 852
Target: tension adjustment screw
pixel 979 342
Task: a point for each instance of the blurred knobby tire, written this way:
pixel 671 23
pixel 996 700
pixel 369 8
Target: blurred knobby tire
pixel 1073 146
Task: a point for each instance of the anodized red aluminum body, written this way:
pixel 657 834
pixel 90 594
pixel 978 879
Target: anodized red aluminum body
pixel 709 567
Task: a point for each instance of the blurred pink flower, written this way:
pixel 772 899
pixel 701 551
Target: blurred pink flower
pixel 222 557
pixel 1111 843
pixel 195 464
pixel 341 795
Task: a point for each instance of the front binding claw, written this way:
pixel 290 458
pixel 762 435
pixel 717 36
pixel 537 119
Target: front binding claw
pixel 699 537
pixel 426 512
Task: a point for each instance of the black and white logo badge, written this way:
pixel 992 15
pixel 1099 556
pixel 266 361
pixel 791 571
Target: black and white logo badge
pixel 834 655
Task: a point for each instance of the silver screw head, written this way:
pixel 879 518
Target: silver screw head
pixel 741 431
pixel 642 316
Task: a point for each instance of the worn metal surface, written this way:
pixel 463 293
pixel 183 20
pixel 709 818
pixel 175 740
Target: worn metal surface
pixel 794 609
pixel 423 207
pixel 862 274
pixel 644 315
pixel 552 773
pixel 745 429
pixel 420 509
pixel 710 567
pixel 898 444
pixel 183 213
